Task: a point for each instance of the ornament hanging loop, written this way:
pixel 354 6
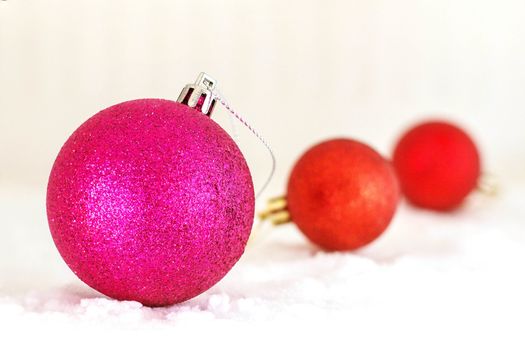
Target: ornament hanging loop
pixel 200 95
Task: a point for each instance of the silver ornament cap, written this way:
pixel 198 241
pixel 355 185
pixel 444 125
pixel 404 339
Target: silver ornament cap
pixel 200 94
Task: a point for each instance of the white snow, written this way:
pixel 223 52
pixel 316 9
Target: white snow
pixel 440 281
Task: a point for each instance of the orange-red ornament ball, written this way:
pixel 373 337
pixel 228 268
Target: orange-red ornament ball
pixel 438 165
pixel 342 194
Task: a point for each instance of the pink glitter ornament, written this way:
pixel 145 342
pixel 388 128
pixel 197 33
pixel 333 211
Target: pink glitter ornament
pixel 151 200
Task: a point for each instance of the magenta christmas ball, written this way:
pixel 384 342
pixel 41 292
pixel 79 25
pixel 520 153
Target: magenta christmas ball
pixel 150 200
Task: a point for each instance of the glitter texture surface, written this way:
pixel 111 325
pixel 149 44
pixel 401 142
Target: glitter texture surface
pixel 438 165
pixel 150 200
pixel 342 194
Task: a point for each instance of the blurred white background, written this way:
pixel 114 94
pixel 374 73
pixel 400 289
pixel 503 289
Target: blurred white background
pixel 301 71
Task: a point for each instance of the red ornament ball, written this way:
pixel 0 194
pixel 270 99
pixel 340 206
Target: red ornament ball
pixel 438 165
pixel 342 194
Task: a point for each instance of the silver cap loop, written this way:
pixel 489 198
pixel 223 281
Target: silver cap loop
pixel 200 94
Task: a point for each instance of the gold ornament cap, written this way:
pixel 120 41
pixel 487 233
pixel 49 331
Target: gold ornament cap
pixel 276 211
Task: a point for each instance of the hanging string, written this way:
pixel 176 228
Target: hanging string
pixel 233 128
pixel 219 97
